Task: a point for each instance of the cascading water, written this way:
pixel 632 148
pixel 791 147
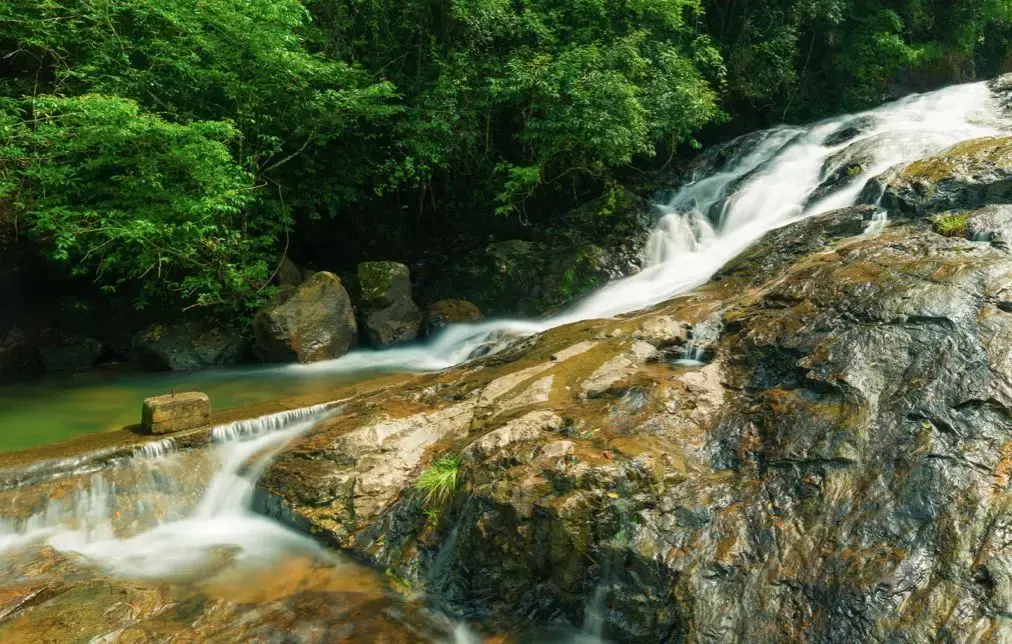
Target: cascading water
pixel 168 514
pixel 722 211
pixel 184 536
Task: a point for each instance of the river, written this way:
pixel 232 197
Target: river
pixel 168 543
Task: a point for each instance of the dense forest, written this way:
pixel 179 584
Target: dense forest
pixel 173 150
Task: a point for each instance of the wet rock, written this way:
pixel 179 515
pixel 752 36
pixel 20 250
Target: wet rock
pixel 663 332
pixel 990 224
pixel 389 315
pixel 525 428
pixel 839 470
pixel 1001 88
pixel 60 353
pixel 445 312
pixel 175 412
pixel 312 322
pixel 850 129
pixel 186 346
pixel 968 175
pixel 782 247
pixel 851 164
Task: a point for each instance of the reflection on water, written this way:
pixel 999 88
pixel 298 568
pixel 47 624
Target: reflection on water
pixel 56 409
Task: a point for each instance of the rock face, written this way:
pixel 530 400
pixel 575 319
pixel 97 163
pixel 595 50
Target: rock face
pixel 444 312
pixel 312 322
pixel 389 315
pixel 565 259
pixel 968 175
pixel 186 346
pixel 175 412
pixel 836 468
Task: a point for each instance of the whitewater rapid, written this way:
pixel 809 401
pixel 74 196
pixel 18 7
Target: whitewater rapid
pixel 718 214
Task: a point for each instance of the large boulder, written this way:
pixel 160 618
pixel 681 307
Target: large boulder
pixel 566 258
pixel 312 322
pixel 63 353
pixel 445 312
pixel 389 315
pixel 187 346
pixel 968 175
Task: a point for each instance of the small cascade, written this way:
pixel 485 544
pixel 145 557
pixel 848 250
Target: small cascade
pixel 156 449
pixel 167 512
pixel 763 181
pixel 878 222
pixel 700 343
pixel 242 429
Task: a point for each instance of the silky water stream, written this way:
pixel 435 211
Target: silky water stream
pixel 164 546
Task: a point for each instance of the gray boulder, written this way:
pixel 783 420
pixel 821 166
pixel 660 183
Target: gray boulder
pixel 61 352
pixel 312 322
pixel 389 315
pixel 186 346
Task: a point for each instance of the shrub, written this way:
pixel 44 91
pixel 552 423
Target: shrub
pixel 440 480
pixel 951 225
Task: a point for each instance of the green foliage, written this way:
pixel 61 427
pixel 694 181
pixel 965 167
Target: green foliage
pixel 517 96
pixel 802 58
pixel 122 194
pixel 176 147
pixel 952 225
pixel 439 481
pixel 157 140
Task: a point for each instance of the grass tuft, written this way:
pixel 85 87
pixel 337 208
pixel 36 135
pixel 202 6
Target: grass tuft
pixel 952 225
pixel 440 480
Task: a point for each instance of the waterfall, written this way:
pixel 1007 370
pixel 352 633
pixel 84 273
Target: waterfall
pixel 156 516
pixel 774 180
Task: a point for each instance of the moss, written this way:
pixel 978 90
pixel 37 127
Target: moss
pixel 954 225
pixel 375 278
pixel 942 166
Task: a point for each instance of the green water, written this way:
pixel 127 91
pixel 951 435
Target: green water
pixel 52 410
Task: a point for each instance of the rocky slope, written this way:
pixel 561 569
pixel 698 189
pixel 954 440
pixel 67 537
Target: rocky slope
pixel 836 467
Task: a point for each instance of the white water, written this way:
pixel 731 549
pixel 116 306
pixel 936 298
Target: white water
pixel 703 226
pixel 688 246
pixel 185 543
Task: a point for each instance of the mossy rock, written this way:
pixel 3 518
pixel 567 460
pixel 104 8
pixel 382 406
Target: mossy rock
pixel 445 312
pixel 312 322
pixel 382 283
pixel 969 175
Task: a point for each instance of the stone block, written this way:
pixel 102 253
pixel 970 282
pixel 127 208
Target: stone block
pixel 175 412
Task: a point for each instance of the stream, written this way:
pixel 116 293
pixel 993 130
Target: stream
pixel 167 544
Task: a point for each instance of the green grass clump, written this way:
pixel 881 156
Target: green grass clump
pixel 952 225
pixel 440 480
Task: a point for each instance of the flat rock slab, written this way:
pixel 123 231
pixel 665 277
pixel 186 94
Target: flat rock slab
pixel 175 412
